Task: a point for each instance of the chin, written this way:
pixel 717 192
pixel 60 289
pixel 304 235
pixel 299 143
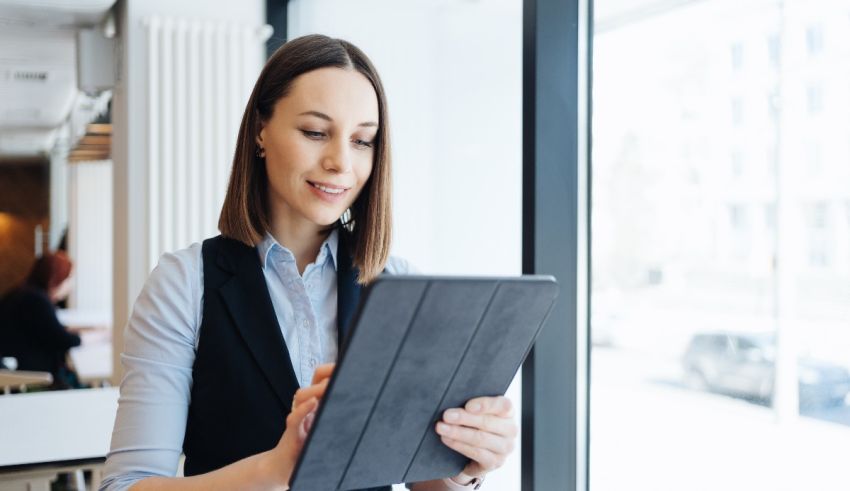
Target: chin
pixel 325 219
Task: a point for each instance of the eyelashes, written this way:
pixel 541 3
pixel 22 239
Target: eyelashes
pixel 318 135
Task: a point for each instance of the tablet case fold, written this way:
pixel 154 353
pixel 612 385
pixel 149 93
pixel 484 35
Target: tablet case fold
pixel 418 346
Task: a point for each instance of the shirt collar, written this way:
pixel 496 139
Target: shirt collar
pixel 329 247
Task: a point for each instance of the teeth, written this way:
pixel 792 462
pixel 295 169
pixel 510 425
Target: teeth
pixel 328 190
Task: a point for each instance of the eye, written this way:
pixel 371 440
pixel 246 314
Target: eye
pixel 363 144
pixel 313 135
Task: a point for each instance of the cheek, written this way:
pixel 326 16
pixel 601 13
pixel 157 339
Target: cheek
pixel 363 170
pixel 286 163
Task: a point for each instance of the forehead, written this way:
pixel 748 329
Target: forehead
pixel 344 95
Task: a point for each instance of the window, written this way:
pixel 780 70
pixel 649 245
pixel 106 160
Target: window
pixel 818 216
pixel 814 39
pixel 773 106
pixel 770 216
pixel 814 99
pixel 774 50
pixel 737 111
pixel 814 159
pixel 818 234
pixel 847 210
pixel 737 163
pixel 740 232
pixel 730 369
pixel 737 57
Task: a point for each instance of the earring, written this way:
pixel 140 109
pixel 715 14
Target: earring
pixel 261 153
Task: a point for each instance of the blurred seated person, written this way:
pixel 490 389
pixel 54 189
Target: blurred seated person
pixel 29 328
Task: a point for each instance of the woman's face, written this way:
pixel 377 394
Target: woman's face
pixel 319 145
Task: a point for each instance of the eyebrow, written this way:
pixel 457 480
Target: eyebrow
pixel 324 116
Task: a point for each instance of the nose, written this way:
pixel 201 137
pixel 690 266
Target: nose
pixel 337 159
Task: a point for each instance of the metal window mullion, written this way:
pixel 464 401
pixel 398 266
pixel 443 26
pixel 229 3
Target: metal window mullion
pixel 556 76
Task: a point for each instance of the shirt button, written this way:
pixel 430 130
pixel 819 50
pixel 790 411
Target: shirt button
pixel 312 362
pixel 306 323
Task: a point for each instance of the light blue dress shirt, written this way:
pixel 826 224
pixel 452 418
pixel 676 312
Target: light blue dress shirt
pixel 161 339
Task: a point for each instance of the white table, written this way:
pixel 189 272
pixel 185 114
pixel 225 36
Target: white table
pixel 84 317
pixel 44 433
pixel 93 358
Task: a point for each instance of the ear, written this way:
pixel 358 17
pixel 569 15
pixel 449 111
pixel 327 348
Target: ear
pixel 260 136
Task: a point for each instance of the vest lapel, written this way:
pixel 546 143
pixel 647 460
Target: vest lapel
pixel 247 299
pixel 348 290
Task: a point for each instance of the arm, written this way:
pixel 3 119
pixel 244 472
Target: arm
pixel 159 350
pixel 269 470
pixel 436 485
pixel 252 473
pixel 158 356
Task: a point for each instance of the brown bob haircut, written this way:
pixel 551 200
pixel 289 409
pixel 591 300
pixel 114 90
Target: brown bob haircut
pixel 367 224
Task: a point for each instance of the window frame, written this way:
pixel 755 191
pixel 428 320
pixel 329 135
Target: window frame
pixel 557 56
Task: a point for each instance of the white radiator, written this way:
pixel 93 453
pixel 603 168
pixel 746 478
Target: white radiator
pixel 200 75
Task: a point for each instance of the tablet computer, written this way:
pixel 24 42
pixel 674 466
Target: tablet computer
pixel 417 345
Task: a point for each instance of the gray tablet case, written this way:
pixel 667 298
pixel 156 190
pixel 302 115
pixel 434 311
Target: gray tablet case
pixel 418 345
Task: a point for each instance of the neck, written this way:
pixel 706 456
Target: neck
pixel 301 237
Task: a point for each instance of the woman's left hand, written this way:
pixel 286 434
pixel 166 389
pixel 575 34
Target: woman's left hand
pixel 484 430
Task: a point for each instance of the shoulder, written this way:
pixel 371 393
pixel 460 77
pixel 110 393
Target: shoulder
pixel 180 262
pixel 398 265
pixel 174 288
pixel 163 325
pixel 179 269
pixel 27 298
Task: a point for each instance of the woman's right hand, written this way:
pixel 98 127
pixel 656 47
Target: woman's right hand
pixel 281 459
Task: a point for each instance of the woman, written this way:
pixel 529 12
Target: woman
pixel 230 345
pixel 30 332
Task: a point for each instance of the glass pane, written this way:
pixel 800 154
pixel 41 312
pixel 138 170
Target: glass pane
pixel 721 245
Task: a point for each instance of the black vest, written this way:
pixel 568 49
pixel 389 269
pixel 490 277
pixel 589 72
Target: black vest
pixel 242 379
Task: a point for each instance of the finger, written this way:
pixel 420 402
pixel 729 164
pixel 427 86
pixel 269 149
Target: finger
pixel 498 425
pixel 323 372
pixel 309 420
pixel 499 405
pixel 486 459
pixel 306 425
pixel 498 444
pixel 297 415
pixel 306 393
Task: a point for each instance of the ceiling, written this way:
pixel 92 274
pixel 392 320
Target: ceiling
pixel 38 77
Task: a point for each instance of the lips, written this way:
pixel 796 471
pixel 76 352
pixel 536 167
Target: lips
pixel 332 189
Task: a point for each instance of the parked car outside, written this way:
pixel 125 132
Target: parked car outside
pixel 743 365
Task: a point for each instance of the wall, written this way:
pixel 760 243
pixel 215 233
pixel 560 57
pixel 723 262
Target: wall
pixel 452 73
pixel 24 194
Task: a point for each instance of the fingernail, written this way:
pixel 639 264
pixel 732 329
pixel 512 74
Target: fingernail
pixel 452 415
pixel 442 428
pixel 475 407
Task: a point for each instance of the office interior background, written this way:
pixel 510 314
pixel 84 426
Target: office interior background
pixel 718 328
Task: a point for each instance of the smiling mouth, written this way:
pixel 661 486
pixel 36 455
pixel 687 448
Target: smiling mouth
pixel 328 189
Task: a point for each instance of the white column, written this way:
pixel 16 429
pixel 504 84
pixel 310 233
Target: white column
pixel 162 193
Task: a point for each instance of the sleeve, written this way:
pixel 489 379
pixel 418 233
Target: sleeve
pixel 397 265
pixel 159 350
